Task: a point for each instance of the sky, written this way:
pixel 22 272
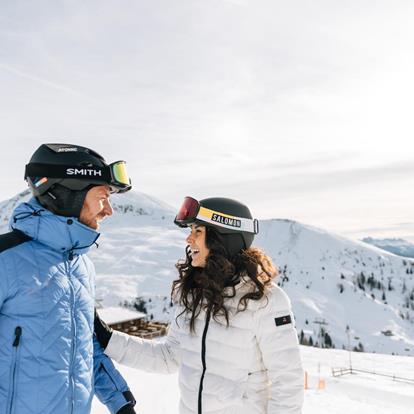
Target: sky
pixel 302 110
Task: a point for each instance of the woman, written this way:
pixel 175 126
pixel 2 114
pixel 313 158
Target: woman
pixel 232 340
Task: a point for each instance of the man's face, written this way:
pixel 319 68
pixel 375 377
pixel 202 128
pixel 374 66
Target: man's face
pixel 96 206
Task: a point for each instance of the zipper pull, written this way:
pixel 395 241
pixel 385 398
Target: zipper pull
pixel 18 333
pixel 71 255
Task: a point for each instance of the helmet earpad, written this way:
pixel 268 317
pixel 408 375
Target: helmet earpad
pixel 232 242
pixel 63 201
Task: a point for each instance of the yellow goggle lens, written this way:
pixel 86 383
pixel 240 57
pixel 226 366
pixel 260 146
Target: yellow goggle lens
pixel 120 174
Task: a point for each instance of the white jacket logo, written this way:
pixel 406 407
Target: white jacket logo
pixel 83 171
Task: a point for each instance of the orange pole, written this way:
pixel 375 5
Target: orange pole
pixel 306 381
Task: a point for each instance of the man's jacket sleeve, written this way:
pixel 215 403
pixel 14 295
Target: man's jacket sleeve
pixel 110 387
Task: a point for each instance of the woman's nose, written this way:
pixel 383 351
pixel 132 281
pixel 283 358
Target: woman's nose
pixel 189 238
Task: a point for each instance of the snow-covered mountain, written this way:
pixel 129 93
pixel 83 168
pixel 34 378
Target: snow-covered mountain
pixel 400 247
pixel 334 282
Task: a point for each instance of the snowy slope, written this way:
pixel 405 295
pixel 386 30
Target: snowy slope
pixel 7 207
pixel 397 246
pixel 352 394
pixel 316 265
pixel 139 247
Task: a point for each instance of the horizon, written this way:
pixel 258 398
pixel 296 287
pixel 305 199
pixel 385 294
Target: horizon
pixel 358 236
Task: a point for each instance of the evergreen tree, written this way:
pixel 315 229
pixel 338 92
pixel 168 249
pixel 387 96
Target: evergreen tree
pixel 302 337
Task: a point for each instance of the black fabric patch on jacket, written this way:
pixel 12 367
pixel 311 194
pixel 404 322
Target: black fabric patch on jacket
pixel 283 320
pixel 12 239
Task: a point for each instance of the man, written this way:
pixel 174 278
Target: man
pixel 50 362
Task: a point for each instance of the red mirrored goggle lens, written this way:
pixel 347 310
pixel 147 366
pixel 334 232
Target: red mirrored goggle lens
pixel 188 210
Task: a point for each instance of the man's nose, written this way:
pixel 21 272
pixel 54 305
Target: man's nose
pixel 108 210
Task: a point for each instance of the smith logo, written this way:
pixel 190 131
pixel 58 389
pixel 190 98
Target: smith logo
pixel 226 220
pixel 83 171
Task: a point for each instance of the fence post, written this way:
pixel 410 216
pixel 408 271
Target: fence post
pixel 306 380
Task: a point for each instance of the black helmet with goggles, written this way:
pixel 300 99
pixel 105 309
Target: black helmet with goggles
pixel 60 175
pixel 230 218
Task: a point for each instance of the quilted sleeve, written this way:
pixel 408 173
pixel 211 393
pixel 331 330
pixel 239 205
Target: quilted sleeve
pixel 110 387
pixel 162 356
pixel 278 343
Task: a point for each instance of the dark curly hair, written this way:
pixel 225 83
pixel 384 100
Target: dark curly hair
pixel 204 288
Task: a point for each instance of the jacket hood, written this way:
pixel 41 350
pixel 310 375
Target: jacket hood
pixel 57 232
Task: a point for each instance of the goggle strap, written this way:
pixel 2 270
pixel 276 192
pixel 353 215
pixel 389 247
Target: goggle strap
pixel 67 171
pixel 228 222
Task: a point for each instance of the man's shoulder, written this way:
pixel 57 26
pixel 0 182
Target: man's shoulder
pixel 12 239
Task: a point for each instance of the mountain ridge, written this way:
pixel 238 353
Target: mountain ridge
pixel 397 246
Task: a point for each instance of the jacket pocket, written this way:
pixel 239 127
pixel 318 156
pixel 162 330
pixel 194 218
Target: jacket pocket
pixel 14 370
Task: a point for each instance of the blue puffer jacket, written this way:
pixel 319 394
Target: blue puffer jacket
pixel 47 358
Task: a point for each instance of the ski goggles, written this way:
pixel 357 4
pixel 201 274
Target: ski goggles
pixel 192 211
pixel 115 175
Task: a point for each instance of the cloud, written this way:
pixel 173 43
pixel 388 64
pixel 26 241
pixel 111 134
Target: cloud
pixel 45 82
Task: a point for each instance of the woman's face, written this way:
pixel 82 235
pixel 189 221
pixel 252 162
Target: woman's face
pixel 197 242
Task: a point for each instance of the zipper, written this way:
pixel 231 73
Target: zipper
pixel 203 360
pixel 73 339
pixel 72 349
pixel 17 335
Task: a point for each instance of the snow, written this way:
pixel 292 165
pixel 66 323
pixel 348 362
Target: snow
pixel 357 393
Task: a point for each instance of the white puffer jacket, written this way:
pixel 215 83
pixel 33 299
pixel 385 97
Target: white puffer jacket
pixel 252 366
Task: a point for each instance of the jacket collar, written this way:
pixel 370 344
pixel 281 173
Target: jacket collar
pixel 57 232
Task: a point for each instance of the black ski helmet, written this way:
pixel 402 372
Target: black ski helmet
pixel 230 218
pixel 60 175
